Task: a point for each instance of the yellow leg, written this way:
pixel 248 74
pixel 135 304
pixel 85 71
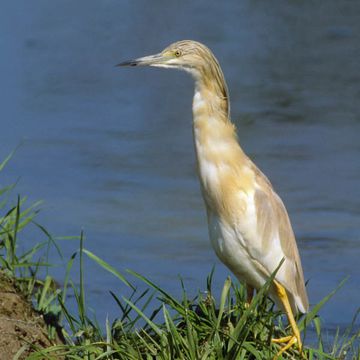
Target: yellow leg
pixel 295 337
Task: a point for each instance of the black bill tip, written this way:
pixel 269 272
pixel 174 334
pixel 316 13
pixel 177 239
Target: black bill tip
pixel 128 63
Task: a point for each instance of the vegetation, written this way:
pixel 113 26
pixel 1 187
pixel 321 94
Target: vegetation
pixel 198 328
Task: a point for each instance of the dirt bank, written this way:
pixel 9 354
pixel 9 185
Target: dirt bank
pixel 21 328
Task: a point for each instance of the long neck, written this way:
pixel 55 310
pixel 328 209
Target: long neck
pixel 213 129
pixel 214 91
pixel 219 156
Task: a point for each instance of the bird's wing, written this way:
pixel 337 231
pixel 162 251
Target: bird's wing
pixel 276 240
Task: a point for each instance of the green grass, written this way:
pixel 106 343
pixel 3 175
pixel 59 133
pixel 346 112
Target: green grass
pixel 151 323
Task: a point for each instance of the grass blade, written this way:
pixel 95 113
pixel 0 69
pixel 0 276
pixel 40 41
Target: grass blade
pixel 107 267
pixel 315 310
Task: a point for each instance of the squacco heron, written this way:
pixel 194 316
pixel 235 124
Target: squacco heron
pixel 249 227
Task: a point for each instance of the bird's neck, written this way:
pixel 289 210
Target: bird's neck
pixel 211 115
pixel 219 156
pixel 211 96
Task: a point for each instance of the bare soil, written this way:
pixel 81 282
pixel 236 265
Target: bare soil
pixel 22 329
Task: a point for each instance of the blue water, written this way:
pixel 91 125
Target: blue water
pixel 110 151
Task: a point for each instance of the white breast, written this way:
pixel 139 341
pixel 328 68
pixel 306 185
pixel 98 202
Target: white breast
pixel 231 248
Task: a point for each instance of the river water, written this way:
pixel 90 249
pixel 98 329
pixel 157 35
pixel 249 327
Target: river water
pixel 110 150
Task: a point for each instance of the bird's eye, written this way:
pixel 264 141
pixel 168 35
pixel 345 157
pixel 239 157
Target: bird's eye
pixel 177 53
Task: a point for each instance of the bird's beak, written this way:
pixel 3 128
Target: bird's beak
pixel 151 60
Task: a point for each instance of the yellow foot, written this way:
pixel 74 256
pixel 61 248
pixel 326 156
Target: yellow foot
pixel 282 340
pixel 290 341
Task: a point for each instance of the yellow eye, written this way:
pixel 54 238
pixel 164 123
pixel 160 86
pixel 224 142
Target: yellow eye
pixel 177 53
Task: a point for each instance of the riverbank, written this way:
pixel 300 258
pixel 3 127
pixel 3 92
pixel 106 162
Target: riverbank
pixel 37 323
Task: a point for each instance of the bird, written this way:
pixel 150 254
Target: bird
pixel 249 227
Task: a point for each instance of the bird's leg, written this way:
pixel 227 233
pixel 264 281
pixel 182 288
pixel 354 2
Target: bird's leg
pixel 249 295
pixel 295 337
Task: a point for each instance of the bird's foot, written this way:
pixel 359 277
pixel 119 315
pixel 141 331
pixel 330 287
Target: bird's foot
pixel 289 342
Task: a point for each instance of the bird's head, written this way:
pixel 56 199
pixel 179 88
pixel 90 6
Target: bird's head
pixel 187 55
pixel 195 58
